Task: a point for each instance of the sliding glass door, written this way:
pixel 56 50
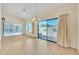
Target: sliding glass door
pixel 48 29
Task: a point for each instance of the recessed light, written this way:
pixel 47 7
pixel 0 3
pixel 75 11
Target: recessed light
pixel 24 12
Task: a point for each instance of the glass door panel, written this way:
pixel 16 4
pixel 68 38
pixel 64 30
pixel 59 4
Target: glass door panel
pixel 42 30
pixel 52 27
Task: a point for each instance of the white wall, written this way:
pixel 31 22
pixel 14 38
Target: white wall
pixel 0 23
pixel 78 25
pixel 0 19
pixel 36 29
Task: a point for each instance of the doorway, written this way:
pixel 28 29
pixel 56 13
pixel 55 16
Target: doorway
pixel 47 29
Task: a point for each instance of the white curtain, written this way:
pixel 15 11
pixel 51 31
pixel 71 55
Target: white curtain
pixel 63 35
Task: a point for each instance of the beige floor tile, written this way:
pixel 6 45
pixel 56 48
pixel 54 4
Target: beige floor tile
pixel 24 45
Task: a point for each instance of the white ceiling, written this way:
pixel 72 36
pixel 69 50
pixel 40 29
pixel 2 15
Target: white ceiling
pixel 33 9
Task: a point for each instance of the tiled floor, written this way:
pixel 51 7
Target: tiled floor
pixel 24 45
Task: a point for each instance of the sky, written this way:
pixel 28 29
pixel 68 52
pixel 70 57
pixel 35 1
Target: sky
pixel 50 22
pixel 53 22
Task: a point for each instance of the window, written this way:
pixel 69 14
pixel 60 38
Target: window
pixel 29 27
pixel 12 29
pixel 8 28
pixel 17 28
